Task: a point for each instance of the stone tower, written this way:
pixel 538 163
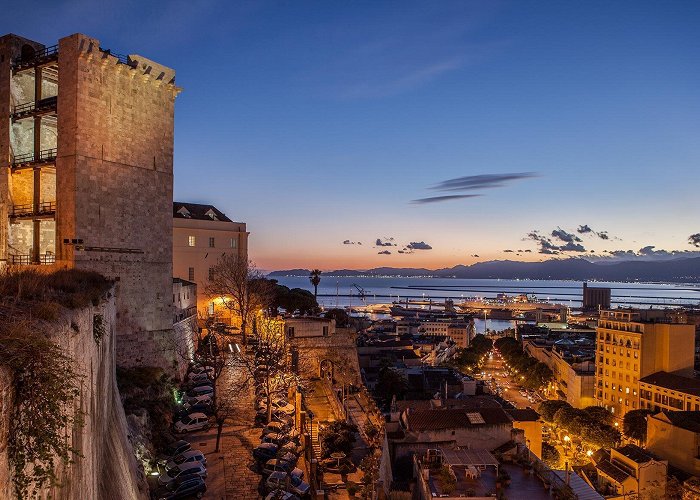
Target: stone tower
pixel 86 176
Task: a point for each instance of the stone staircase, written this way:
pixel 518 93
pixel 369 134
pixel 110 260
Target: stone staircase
pixel 316 443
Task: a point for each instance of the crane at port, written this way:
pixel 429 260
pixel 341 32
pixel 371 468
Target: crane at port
pixel 360 293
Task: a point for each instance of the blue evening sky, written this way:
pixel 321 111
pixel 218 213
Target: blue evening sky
pixel 319 122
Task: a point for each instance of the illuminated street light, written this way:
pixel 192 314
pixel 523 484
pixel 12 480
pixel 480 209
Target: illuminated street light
pixel 589 453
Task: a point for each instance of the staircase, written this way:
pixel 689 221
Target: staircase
pixel 316 443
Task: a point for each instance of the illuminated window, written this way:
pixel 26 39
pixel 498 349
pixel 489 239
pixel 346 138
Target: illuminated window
pixel 234 242
pixel 191 241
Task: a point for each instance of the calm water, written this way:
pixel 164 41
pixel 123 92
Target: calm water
pixel 340 291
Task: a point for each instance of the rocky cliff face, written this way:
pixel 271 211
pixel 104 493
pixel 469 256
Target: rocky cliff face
pixel 107 468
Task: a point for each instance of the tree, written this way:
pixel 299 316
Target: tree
pixel 390 383
pixel 315 279
pixel 635 424
pixel 602 436
pixel 550 456
pixel 241 288
pixel 341 317
pixel 550 407
pixel 599 414
pixel 338 436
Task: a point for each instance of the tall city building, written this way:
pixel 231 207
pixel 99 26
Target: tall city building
pixel 201 235
pixel 86 175
pixel 634 343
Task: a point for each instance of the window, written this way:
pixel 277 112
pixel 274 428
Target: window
pixel 290 332
pixel 211 242
pixel 325 331
pixel 234 242
pixel 211 273
pixel 191 273
pixel 191 241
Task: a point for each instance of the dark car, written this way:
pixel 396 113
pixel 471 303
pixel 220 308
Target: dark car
pixel 264 452
pixel 174 448
pixel 175 483
pixel 187 489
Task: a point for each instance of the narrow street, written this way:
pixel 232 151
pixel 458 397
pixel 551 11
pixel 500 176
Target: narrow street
pixel 506 384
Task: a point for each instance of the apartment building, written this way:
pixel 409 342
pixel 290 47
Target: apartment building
pixel 662 391
pixel 675 436
pixel 201 235
pixel 86 176
pixel 460 332
pixel 634 343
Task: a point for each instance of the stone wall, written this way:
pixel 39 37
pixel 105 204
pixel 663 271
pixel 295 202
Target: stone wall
pixel 340 349
pixel 107 468
pixel 114 184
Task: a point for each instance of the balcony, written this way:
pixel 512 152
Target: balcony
pixel 28 160
pixel 45 209
pixel 35 108
pixel 26 260
pixel 30 58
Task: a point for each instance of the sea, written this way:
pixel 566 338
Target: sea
pixel 345 291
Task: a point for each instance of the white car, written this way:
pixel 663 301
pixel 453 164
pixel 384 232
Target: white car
pixel 192 422
pixel 279 404
pixel 188 468
pixel 292 484
pixel 186 457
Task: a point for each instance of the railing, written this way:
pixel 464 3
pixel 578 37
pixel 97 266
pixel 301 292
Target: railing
pixel 26 260
pixel 45 53
pixel 184 314
pixel 45 208
pixel 45 156
pixel 121 58
pixel 47 104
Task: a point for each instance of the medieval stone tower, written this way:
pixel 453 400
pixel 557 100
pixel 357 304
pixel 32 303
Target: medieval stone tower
pixel 86 175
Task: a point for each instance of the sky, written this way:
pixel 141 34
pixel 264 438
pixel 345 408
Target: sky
pixel 424 134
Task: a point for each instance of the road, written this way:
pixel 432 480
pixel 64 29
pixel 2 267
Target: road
pixel 506 384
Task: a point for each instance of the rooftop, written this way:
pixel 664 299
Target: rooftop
pixel 688 385
pixel 439 419
pixel 636 454
pixel 198 211
pixel 523 415
pixel 688 420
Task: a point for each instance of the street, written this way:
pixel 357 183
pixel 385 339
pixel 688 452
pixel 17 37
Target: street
pixel 505 384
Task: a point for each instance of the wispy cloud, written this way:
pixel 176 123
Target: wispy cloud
pixel 484 181
pixel 470 183
pixel 436 199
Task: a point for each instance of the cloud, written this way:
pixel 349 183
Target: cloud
pixel 348 242
pixel 694 239
pixel 527 251
pixel 419 245
pixel 384 252
pixel 508 251
pixel 603 235
pixel 562 235
pixel 475 255
pixel 471 183
pixel 584 229
pixel 436 199
pixel 483 181
pixel 387 242
pixel 548 247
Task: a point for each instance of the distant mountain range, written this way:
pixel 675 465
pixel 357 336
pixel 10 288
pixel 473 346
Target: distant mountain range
pixel 678 270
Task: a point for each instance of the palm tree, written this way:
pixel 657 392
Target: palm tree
pixel 315 279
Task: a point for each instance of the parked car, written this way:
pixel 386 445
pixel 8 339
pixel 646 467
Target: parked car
pixel 265 452
pixel 275 427
pixel 187 489
pixel 290 447
pixel 198 369
pixel 291 484
pixel 288 457
pixel 174 448
pixel 185 476
pixel 206 408
pixel 186 457
pixel 188 468
pixel 200 398
pixel 275 464
pixel 192 422
pixel 193 384
pixel 198 377
pixel 202 390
